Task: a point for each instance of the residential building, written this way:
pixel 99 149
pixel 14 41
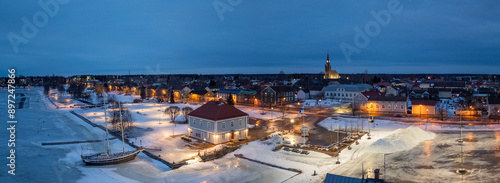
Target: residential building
pixel 423 107
pixel 302 94
pixel 345 92
pixel 277 95
pixel 216 122
pixel 494 106
pixel 240 96
pixel 373 101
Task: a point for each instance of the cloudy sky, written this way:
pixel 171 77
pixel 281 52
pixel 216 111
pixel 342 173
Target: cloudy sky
pixel 249 36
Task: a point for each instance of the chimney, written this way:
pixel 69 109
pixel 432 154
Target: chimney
pixel 377 174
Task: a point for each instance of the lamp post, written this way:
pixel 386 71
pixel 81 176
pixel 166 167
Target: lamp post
pixel 384 163
pixel 462 169
pixel 254 102
pixel 460 141
pixel 369 137
pixel 427 115
pixel 338 144
pixel 420 110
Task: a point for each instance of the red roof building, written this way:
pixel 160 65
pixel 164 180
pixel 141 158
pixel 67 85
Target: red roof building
pixel 217 122
pixel 214 110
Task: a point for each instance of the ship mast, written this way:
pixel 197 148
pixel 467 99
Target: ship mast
pixel 106 123
pixel 121 121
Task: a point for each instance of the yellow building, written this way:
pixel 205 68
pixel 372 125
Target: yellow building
pixel 423 107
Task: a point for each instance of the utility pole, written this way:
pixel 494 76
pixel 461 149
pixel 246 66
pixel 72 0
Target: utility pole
pixel 338 144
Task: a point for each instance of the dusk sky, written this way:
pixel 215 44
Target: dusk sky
pixel 249 36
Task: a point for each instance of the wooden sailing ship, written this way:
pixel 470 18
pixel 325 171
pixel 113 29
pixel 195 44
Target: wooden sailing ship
pixel 108 158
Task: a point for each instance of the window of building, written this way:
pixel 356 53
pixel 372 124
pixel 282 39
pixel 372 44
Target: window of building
pixel 389 106
pixel 223 125
pixel 209 125
pixel 402 107
pixel 383 106
pixel 241 122
pixel 395 106
pixel 232 124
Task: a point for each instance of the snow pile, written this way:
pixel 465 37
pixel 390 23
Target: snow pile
pixel 400 140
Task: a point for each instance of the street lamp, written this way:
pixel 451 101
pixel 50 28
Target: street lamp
pixel 420 110
pixel 427 115
pixel 460 141
pixel 338 144
pixel 384 163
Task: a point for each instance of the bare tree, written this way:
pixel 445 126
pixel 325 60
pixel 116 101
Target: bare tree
pixel 173 111
pixel 126 118
pixel 99 89
pixel 159 95
pixel 442 114
pixel 186 111
pixel 112 100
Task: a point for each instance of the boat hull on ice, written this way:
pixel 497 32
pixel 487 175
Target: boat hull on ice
pixel 104 159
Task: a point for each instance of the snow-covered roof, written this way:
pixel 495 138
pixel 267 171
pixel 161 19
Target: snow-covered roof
pixel 348 87
pixel 217 111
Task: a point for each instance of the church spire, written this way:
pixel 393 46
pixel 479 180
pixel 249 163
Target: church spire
pixel 327 56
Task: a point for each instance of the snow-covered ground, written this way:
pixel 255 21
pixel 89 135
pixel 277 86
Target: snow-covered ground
pixel 267 115
pixel 153 127
pixel 407 143
pixel 421 153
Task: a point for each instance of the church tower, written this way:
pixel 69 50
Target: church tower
pixel 328 67
pixel 329 74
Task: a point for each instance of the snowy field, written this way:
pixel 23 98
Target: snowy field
pixel 414 151
pixel 152 127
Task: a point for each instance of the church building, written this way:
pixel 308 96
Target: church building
pixel 329 74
